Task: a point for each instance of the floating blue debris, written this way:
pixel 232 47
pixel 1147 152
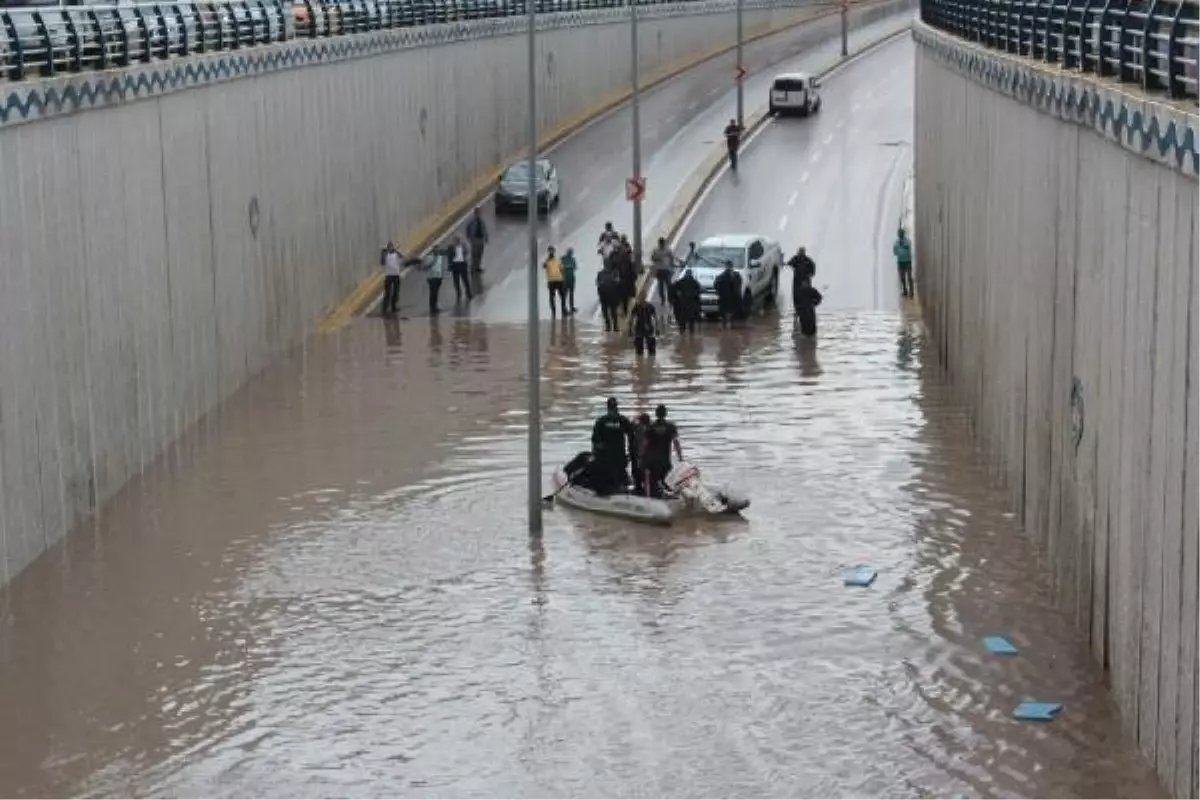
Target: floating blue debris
pixel 1037 712
pixel 860 576
pixel 999 646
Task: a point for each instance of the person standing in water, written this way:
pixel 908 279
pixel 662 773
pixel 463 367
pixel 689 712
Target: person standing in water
pixel 554 280
pixel 477 235
pixel 902 249
pixel 569 266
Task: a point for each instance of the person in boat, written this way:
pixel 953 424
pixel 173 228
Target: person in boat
pixel 635 461
pixel 660 437
pixel 612 441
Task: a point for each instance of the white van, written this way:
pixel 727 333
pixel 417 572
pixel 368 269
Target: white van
pixel 795 92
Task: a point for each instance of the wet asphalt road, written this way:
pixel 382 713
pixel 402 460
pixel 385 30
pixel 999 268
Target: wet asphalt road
pixel 681 121
pixel 831 183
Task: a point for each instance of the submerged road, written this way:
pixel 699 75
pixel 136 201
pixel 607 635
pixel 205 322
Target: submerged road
pixel 327 588
pixel 682 120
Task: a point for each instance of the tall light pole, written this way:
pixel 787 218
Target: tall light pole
pixel 635 113
pixel 741 71
pixel 535 356
pixel 845 25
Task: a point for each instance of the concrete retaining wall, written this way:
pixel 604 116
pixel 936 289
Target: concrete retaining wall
pixel 167 230
pixel 1056 229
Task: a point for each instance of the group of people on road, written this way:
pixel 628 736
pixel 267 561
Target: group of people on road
pixel 645 446
pixel 460 256
pixel 616 283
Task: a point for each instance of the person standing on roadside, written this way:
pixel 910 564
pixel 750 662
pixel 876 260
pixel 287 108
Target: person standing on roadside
pixel 553 268
pixel 733 141
pixel 569 266
pixel 902 249
pixel 460 253
pixel 608 289
pixel 477 235
pixel 391 261
pixel 664 269
pixel 434 266
pixel 607 243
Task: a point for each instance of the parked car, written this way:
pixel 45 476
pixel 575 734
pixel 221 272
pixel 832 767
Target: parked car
pixel 795 92
pixel 756 258
pixel 513 192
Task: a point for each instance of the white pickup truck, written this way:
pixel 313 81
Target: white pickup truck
pixel 757 259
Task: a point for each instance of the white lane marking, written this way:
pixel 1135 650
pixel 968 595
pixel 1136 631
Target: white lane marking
pixel 783 222
pixel 856 107
pixel 816 156
pixel 794 196
pixel 841 123
pixel 804 177
pixel 584 192
pixel 828 139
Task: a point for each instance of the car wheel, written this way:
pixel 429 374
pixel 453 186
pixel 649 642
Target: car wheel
pixel 772 111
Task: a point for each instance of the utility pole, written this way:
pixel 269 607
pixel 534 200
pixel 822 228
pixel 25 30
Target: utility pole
pixel 635 113
pixel 741 71
pixel 845 25
pixel 535 354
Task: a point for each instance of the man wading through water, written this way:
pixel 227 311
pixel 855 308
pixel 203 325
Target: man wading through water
pixel 608 288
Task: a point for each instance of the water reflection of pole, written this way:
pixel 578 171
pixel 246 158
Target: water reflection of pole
pixel 535 387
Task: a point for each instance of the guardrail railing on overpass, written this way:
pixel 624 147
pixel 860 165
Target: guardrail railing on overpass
pixel 1154 43
pixel 46 40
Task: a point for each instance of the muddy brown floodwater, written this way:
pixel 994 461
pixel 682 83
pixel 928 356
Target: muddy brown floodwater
pixel 328 590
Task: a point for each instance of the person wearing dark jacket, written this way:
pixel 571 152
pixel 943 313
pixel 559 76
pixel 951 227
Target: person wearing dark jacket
pixel 687 294
pixel 612 441
pixel 608 289
pixel 660 437
pixel 805 267
pixel 733 140
pixel 477 235
pixel 623 258
pixel 805 299
pixel 645 327
pixel 729 294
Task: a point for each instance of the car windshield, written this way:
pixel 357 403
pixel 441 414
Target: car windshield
pixel 789 85
pixel 716 257
pixel 519 172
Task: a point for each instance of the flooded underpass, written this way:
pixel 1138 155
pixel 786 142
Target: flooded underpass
pixel 328 590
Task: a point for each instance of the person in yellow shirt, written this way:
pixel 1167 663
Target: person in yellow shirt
pixel 555 281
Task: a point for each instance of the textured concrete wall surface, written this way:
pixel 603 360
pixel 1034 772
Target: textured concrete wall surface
pixel 1057 264
pixel 167 230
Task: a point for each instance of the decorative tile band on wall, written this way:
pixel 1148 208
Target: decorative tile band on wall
pixel 1145 126
pixel 38 99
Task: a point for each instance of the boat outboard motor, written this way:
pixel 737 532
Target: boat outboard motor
pixel 684 480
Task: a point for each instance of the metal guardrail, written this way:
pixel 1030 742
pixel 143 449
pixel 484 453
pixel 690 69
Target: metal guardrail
pixel 1154 43
pixel 41 41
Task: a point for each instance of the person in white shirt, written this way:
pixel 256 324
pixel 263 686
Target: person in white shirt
pixel 392 263
pixel 435 271
pixel 459 256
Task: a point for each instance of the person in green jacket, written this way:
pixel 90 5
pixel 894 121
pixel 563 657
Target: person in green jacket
pixel 569 266
pixel 902 249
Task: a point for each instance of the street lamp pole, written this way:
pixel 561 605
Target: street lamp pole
pixel 741 111
pixel 845 25
pixel 635 113
pixel 535 359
